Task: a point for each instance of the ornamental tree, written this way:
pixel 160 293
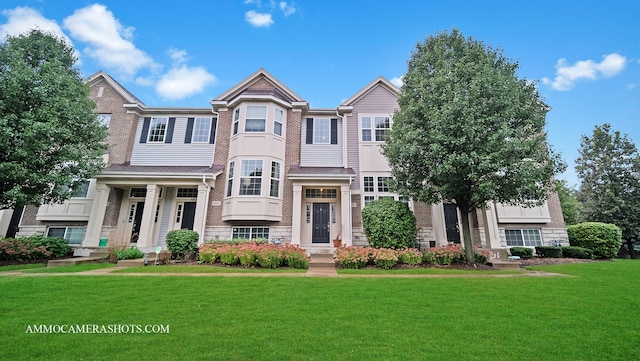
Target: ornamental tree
pixel 51 140
pixel 609 170
pixel 469 131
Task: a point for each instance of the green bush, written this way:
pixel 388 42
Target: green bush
pixel 182 243
pixel 56 245
pixel 604 239
pixel 522 252
pixel 577 252
pixel 126 253
pixel 549 251
pixel 389 224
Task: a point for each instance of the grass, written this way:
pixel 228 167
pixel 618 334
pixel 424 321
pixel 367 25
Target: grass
pixel 71 269
pixel 589 317
pixel 16 267
pixel 205 269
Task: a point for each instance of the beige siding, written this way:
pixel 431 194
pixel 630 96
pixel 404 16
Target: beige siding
pixel 177 153
pixel 321 155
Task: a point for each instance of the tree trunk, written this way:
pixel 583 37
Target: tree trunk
pixel 632 251
pixel 466 232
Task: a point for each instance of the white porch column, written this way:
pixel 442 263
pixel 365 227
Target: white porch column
pixel 96 218
pixel 147 225
pixel 437 222
pixel 345 213
pixel 201 210
pixel 297 214
pixel 492 234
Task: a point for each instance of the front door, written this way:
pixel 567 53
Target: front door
pixel 451 223
pixel 320 223
pixel 137 221
pixel 188 215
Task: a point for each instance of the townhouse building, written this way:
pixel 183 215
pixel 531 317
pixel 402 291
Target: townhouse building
pixel 258 162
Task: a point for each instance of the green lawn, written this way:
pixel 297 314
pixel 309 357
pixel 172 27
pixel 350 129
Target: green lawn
pixel 589 317
pixel 71 269
pixel 16 267
pixel 424 271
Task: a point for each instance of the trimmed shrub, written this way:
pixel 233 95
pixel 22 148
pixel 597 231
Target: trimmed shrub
pixel 443 255
pixel 482 255
pixel 208 253
pixel 293 256
pixel 549 251
pixel 22 249
pixel 410 256
pixel 389 224
pixel 56 245
pixel 268 257
pixel 604 239
pixel 353 257
pixel 522 252
pixel 385 258
pixel 577 252
pixel 182 243
pixel 125 253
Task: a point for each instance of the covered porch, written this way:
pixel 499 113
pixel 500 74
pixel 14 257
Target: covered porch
pixel 321 207
pixel 149 202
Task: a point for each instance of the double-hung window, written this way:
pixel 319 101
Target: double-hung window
pixel 374 128
pixel 322 131
pixel 230 179
pixel 278 116
pixel 201 130
pixel 236 120
pixel 256 118
pixel 378 187
pixel 157 129
pixel 275 180
pixel 251 178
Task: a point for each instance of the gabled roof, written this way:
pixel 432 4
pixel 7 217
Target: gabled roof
pixel 130 98
pixel 379 81
pixel 253 78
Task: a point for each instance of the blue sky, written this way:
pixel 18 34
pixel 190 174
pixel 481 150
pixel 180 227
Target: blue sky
pixel 585 54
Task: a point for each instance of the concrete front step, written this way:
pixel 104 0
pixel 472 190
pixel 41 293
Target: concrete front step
pixel 75 260
pixel 505 265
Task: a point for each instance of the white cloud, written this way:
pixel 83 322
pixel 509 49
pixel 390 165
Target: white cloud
pixel 258 19
pixel 397 81
pixel 287 9
pixel 23 19
pixel 179 56
pixel 109 43
pixel 181 82
pixel 567 75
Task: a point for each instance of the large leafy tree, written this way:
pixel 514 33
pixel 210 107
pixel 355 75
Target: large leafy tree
pixel 50 138
pixel 468 130
pixel 609 168
pixel 571 206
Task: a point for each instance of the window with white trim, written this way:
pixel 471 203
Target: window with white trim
pixel 201 130
pixel 187 193
pixel 278 117
pixel 322 131
pixel 523 237
pixel 275 180
pixel 157 129
pixel 73 235
pixel 378 187
pixel 236 121
pixel 230 179
pixel 256 118
pixel 250 232
pixel 251 178
pixel 374 127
